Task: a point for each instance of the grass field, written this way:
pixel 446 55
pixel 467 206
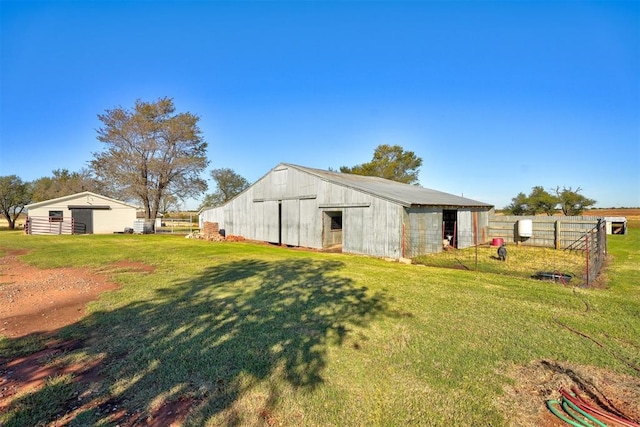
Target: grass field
pixel 252 334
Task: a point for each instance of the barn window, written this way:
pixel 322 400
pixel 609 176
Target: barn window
pixel 55 216
pixel 335 220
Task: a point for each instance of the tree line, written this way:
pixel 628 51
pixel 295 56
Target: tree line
pixel 541 201
pixel 154 156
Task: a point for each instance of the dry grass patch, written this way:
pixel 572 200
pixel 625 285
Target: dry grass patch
pixel 534 384
pixel 522 261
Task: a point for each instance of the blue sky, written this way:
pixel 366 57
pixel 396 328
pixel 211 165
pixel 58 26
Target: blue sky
pixel 495 97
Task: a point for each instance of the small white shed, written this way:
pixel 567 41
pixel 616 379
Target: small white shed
pixel 616 224
pixel 81 213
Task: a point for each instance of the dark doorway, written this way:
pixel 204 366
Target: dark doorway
pixel 332 230
pixel 82 221
pixel 450 226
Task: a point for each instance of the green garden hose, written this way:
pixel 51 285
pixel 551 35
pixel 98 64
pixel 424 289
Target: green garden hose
pixel 579 418
pixel 571 409
pixel 559 414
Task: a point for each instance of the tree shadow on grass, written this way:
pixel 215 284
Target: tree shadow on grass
pixel 227 342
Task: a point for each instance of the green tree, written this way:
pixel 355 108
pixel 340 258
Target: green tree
pixel 228 185
pixel 390 162
pixel 572 202
pixel 151 151
pixel 519 205
pixel 541 201
pixel 63 183
pixel 14 196
pixel 538 201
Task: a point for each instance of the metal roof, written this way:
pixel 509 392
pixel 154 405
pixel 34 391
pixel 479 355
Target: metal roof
pixel 404 194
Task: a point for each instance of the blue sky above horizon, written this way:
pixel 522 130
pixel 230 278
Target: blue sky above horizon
pixel 495 97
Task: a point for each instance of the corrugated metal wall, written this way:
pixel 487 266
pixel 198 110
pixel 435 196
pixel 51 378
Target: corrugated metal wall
pixel 289 206
pixel 296 201
pixel 373 230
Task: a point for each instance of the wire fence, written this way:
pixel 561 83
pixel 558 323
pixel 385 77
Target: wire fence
pixel 595 250
pixel 579 264
pixel 185 225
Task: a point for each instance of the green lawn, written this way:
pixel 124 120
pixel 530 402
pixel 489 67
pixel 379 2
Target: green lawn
pixel 262 335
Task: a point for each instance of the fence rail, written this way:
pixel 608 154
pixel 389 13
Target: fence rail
pixel 547 232
pixel 177 225
pixel 47 225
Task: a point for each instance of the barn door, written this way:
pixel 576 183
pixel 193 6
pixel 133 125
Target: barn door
pixel 450 226
pixel 332 229
pixel 290 222
pixel 465 229
pixel 82 221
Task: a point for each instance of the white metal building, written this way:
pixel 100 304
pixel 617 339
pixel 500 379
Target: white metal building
pixel 299 206
pixel 81 213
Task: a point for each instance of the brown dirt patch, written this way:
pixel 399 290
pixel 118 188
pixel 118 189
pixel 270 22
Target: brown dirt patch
pixel 44 300
pixel 41 301
pixel 629 213
pixel 541 380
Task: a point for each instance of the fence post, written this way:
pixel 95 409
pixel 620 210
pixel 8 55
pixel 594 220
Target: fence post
pixel 557 234
pixel 475 236
pixel 586 244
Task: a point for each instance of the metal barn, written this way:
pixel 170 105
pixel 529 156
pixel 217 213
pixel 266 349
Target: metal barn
pixel 299 206
pixel 81 213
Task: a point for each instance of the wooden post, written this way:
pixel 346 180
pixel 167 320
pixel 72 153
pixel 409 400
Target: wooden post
pixel 556 234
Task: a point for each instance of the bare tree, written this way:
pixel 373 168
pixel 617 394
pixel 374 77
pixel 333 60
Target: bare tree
pixel 151 152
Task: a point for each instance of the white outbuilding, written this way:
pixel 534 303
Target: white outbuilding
pixel 81 213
